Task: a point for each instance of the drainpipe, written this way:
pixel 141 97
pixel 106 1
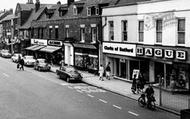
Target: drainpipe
pixel 100 45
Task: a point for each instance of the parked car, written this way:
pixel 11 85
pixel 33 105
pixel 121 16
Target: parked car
pixel 69 73
pixel 6 54
pixel 15 57
pixel 29 60
pixel 42 65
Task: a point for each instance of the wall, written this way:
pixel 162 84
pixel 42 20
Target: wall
pixel 179 8
pixel 117 15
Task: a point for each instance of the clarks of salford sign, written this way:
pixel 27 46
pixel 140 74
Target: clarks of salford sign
pixel 162 53
pixel 119 49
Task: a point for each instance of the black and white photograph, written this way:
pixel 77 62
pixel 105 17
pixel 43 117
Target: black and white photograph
pixel 95 59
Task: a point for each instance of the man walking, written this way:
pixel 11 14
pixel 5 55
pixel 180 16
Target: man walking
pixel 101 72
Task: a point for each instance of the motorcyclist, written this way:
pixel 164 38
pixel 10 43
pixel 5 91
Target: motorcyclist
pixel 149 92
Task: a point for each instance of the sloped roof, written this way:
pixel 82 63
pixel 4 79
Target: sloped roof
pixel 9 17
pixel 26 6
pixel 124 2
pixel 34 15
pixel 96 2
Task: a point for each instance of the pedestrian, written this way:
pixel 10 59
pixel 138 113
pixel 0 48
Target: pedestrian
pixel 22 64
pixel 134 84
pixel 62 63
pixel 18 62
pixel 101 72
pixel 108 71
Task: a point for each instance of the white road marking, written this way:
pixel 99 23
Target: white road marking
pixel 70 87
pixel 103 101
pixel 64 84
pixel 133 113
pixel 79 91
pixel 90 95
pixel 5 74
pixel 118 107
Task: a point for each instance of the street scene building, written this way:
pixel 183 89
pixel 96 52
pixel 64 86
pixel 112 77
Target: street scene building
pixel 141 40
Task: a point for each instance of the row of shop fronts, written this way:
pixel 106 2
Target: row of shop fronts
pixel 171 63
pixel 82 56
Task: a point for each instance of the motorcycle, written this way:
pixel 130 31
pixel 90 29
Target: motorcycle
pixel 142 101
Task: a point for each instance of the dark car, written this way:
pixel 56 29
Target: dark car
pixel 41 65
pixel 69 73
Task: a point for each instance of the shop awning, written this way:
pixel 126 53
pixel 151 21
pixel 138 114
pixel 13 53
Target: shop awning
pixel 50 49
pixel 88 46
pixel 31 47
pixel 38 47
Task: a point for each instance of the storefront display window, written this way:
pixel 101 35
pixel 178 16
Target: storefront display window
pixel 93 63
pixel 79 60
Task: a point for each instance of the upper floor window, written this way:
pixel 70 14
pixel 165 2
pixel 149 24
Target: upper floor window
pixel 94 34
pixel 141 31
pixel 82 34
pixel 181 31
pixel 88 11
pixel 50 31
pixel 67 31
pixel 97 11
pixel 124 30
pixel 75 10
pixel 111 30
pixel 159 31
pixel 56 32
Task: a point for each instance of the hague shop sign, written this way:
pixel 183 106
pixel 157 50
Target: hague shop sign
pixel 119 49
pixel 162 53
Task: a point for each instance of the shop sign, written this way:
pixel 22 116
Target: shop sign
pixel 148 52
pixel 119 49
pixel 38 42
pixel 140 51
pixel 158 52
pixel 169 54
pixel 166 53
pixel 181 55
pixel 55 43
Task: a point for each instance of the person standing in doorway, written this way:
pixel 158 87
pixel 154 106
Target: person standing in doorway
pixel 101 72
pixel 108 71
pixel 62 63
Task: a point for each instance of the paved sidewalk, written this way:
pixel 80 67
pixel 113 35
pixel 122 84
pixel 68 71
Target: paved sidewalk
pixel 173 104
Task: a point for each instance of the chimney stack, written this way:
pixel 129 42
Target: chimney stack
pixel 30 2
pixel 37 5
pixel 69 2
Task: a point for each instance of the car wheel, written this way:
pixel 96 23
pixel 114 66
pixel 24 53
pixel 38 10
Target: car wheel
pixel 68 79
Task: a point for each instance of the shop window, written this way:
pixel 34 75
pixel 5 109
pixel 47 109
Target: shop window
pixel 158 31
pixel 181 31
pixel 124 30
pixel 141 31
pixel 111 30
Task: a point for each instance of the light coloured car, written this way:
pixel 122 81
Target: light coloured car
pixel 29 60
pixel 6 54
pixel 42 65
pixel 15 57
